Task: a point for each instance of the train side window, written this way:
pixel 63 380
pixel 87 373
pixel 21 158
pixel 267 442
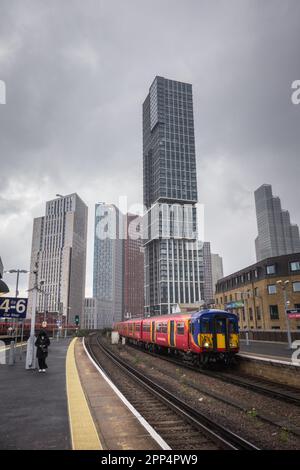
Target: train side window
pixel 164 328
pixel 146 327
pixel 180 328
pixel 205 325
pixel 158 327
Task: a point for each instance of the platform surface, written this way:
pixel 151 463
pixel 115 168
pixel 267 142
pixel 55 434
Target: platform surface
pixel 33 405
pixel 118 428
pixel 265 349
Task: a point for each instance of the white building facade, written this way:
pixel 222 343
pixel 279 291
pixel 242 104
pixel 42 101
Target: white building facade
pixel 59 255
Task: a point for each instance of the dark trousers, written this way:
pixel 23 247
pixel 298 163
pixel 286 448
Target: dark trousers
pixel 42 362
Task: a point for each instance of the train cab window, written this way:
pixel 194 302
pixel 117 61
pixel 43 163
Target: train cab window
pixel 205 325
pixel 220 326
pixel 232 326
pixel 180 328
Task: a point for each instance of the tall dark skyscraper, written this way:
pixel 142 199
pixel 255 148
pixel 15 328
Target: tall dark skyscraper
pixel 172 270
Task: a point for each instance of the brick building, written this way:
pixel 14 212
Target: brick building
pixel 133 286
pixel 256 293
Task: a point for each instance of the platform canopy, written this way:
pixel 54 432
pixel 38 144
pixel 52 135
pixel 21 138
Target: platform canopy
pixel 3 287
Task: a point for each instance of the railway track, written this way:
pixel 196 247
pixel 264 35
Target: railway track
pixel 270 389
pixel 259 412
pixel 180 425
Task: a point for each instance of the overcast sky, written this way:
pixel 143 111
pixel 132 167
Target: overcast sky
pixel 77 73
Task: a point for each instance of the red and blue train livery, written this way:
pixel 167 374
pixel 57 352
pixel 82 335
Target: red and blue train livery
pixel 202 337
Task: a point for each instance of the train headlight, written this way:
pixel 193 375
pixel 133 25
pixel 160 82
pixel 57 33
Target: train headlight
pixel 206 344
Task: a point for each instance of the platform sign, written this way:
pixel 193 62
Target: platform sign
pixel 12 307
pixel 236 304
pixel 293 313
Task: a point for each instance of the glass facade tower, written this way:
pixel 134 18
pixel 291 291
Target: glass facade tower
pixel 172 265
pixel 108 264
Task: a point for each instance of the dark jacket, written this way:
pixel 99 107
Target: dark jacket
pixel 42 343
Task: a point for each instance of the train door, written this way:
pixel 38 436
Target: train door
pixel 220 333
pixel 172 333
pixel 153 331
pixel 189 334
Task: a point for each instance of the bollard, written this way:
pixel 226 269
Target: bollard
pixel 247 338
pixel 11 358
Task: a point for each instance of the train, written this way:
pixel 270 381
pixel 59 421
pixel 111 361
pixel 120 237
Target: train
pixel 203 337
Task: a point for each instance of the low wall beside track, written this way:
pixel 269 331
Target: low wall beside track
pixel 275 371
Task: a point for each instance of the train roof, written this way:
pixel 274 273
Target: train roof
pixel 183 315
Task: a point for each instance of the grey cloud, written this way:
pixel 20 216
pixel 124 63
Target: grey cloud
pixel 78 72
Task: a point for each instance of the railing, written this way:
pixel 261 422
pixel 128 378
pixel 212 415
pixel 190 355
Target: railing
pixel 269 335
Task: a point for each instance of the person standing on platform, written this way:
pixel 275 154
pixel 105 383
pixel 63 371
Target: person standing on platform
pixel 42 343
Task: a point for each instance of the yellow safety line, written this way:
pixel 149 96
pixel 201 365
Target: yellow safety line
pixel 84 434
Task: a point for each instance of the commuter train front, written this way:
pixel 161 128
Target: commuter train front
pixel 202 337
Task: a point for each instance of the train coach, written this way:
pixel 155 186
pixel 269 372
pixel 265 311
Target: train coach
pixel 202 337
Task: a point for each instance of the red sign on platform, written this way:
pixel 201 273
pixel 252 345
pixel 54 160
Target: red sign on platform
pixel 295 313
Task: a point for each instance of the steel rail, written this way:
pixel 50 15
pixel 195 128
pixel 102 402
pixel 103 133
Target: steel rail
pixel 214 430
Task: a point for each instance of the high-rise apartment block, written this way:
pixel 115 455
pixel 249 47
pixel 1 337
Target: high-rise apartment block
pixel 172 266
pixel 276 235
pixel 58 254
pixel 208 290
pixel 91 316
pixel 133 268
pixel 217 269
pixel 108 263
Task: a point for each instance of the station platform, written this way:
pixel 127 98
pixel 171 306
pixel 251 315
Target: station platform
pixel 33 405
pixel 272 351
pixel 71 406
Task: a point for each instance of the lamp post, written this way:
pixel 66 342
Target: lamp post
pixel 30 356
pixel 284 285
pixel 46 303
pixel 17 272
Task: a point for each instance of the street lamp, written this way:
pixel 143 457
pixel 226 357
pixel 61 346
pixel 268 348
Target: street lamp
pixel 46 302
pixel 284 285
pixel 17 272
pixel 30 356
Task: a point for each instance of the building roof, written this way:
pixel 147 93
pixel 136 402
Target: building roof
pixel 257 271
